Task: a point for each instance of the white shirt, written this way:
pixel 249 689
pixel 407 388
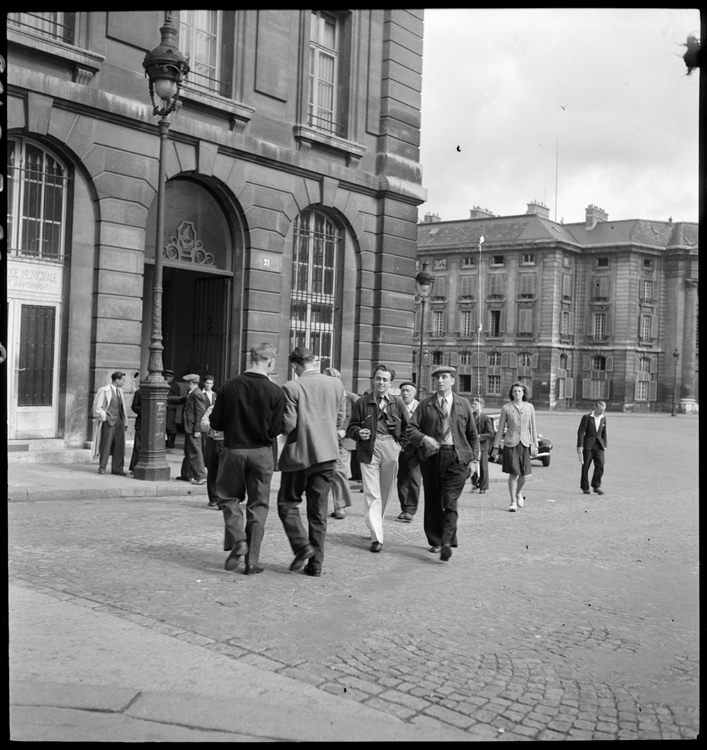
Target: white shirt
pixel 412 406
pixel 597 420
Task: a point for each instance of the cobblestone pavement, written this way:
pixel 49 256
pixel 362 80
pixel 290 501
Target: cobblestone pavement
pixel 575 618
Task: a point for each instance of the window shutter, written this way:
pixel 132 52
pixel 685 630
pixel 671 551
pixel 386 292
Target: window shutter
pixel 586 387
pixel 454 359
pixel 654 327
pixel 474 359
pixel 534 361
pixel 504 359
pixel 569 387
pixel 654 365
pixel 635 390
pixel 571 324
pixel 445 358
pixel 483 359
pixel 637 363
pixel 610 363
pixel 590 324
pixel 653 390
pixel 502 324
pixel 586 362
pixel 512 360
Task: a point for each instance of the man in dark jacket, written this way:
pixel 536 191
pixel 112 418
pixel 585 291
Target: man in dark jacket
pixel 378 424
pixel 591 445
pixel 444 432
pixel 194 409
pixel 484 426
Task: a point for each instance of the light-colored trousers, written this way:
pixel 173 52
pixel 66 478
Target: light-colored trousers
pixel 379 483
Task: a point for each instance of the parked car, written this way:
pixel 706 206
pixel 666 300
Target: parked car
pixel 544 444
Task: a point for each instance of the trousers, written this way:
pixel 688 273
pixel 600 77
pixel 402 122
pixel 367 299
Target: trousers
pixel 212 450
pixel 443 478
pixel 340 490
pixel 409 482
pixel 112 444
pixel 596 455
pixel 193 463
pixel 379 483
pixel 314 482
pixel 245 472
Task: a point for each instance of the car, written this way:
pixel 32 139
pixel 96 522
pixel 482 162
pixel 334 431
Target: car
pixel 544 444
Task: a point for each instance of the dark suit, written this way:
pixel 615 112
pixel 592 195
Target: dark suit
pixel 444 473
pixel 484 426
pixel 193 463
pixel 175 409
pixel 592 441
pixel 137 408
pixel 409 476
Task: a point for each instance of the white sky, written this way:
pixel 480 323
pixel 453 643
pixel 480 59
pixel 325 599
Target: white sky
pixel 493 81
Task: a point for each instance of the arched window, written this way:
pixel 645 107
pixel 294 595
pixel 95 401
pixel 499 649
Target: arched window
pixel 464 358
pixel 644 364
pixel 599 363
pixel 494 359
pixel 437 358
pixel 315 285
pixel 563 361
pixel 524 360
pixel 36 201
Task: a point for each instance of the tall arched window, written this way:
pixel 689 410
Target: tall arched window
pixel 315 285
pixel 36 202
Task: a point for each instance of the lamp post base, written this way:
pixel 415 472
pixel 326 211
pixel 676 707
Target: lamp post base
pixel 152 464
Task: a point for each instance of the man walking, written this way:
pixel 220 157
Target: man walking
pixel 409 477
pixel 248 410
pixel 315 409
pixel 212 441
pixel 444 431
pixel 340 490
pixel 484 427
pixel 194 409
pixel 378 424
pixel 591 446
pixel 109 436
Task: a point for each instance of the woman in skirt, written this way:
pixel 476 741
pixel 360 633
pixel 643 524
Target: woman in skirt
pixel 516 427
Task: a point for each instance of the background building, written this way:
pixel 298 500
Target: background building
pixel 576 311
pixel 291 202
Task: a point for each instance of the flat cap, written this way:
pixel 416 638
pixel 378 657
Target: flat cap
pixel 443 368
pixel 192 378
pixel 407 382
pixel 167 372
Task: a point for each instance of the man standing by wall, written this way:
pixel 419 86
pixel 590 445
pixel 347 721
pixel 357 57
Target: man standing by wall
pixel 378 424
pixel 484 426
pixel 340 490
pixel 591 445
pixel 212 441
pixel 194 409
pixel 248 410
pixel 444 431
pixel 409 477
pixel 109 436
pixel 315 408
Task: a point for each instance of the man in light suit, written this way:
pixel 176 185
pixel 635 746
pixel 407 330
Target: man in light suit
pixel 591 445
pixel 444 432
pixel 193 468
pixel 109 437
pixel 315 409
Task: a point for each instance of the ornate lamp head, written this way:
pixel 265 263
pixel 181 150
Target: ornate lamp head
pixel 166 68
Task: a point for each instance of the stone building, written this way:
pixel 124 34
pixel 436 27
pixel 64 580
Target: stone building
pixel 293 185
pixel 579 312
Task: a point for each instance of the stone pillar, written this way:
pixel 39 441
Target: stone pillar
pixel 689 347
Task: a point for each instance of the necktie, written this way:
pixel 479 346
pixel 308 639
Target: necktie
pixel 446 426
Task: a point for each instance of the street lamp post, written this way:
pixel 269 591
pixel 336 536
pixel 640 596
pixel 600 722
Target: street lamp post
pixel 166 67
pixel 424 281
pixel 676 357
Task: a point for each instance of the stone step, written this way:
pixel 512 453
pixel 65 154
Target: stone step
pixel 65 456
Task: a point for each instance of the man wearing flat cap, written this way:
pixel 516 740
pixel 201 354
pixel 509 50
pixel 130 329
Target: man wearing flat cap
pixel 193 468
pixel 315 409
pixel 444 431
pixel 409 477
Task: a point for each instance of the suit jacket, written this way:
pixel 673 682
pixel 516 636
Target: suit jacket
pixel 587 434
pixel 512 430
pixel 365 416
pixel 315 409
pixel 427 420
pixel 484 426
pixel 136 406
pixel 102 401
pixel 194 410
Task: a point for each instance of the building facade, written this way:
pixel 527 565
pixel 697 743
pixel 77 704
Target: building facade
pixel 293 185
pixel 578 312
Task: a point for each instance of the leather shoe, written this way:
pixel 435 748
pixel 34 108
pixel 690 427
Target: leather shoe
pixel 586 492
pixel 101 471
pixel 312 570
pixel 446 552
pixel 376 547
pixel 481 492
pixel 304 554
pixel 339 513
pixel 238 551
pixel 120 473
pixel 198 481
pixel 251 570
pixel 598 491
pixel 434 549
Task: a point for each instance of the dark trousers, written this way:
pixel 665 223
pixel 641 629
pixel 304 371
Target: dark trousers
pixel 135 457
pixel 481 480
pixel 244 472
pixel 595 454
pixel 314 482
pixel 212 450
pixel 443 478
pixel 112 444
pixel 409 482
pixel 193 463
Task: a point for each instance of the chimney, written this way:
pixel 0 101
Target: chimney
pixel 480 213
pixel 540 209
pixel 594 216
pixel 431 218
